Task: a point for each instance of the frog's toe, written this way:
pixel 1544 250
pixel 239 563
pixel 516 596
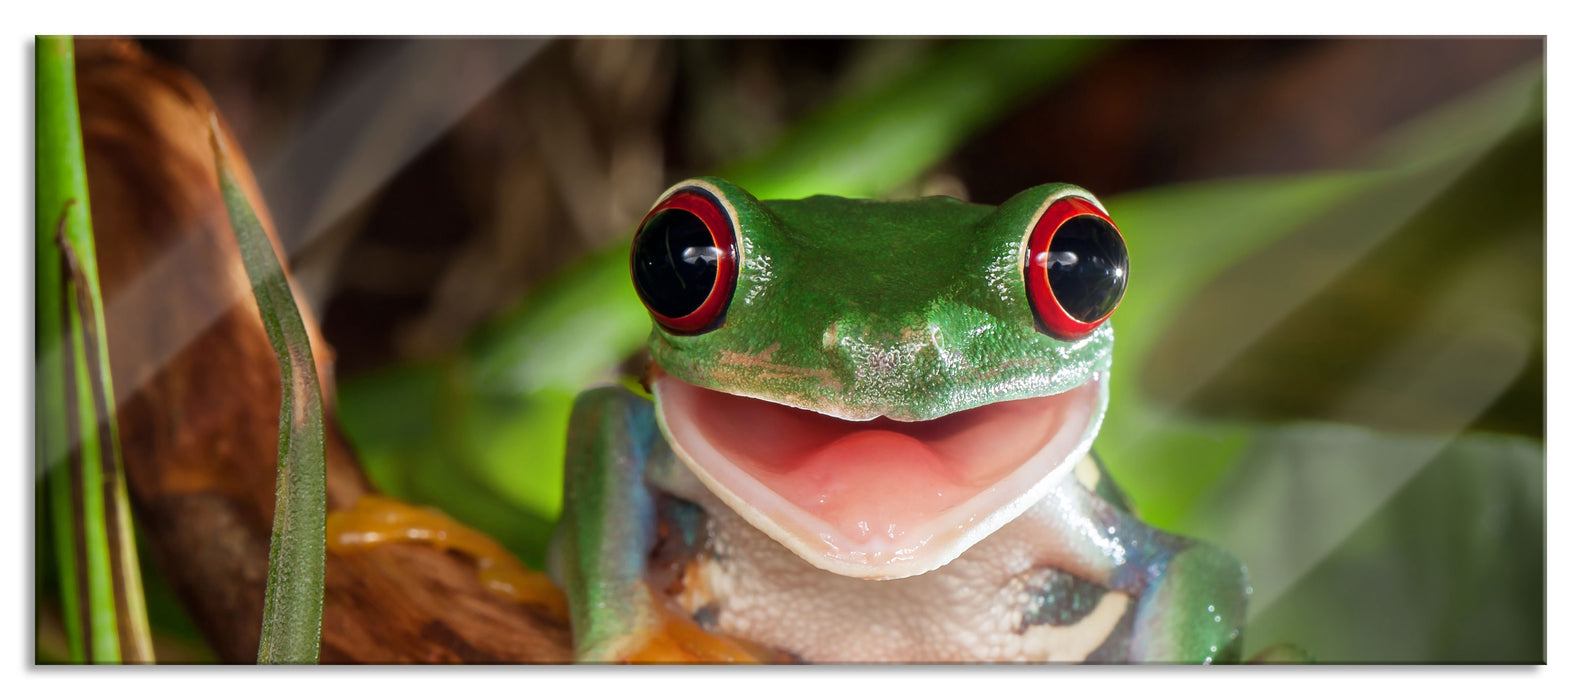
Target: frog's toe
pixel 671 638
pixel 1195 612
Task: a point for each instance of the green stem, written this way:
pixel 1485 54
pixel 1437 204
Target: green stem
pixel 78 437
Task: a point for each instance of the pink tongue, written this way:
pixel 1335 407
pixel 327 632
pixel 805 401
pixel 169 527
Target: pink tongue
pixel 876 484
pixel 871 481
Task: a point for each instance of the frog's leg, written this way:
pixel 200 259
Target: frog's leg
pixel 1191 596
pixel 607 529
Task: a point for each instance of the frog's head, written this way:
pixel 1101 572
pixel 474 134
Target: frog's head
pixel 879 385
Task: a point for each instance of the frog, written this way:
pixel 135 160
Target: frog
pixel 865 435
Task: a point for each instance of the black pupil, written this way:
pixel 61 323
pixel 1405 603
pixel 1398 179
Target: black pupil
pixel 675 263
pixel 1087 267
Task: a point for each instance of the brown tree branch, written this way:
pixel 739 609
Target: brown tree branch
pixel 201 394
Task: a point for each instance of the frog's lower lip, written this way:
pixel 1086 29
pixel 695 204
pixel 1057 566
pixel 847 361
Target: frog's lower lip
pixel 882 498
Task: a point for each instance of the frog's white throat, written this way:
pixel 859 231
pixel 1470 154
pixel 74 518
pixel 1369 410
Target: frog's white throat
pixel 878 499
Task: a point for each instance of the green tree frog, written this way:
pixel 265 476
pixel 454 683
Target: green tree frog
pixel 869 440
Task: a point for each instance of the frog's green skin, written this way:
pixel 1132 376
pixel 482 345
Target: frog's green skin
pixel 857 309
pixel 936 282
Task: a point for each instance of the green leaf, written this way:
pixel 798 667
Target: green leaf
pixel 413 429
pixel 1185 237
pixel 1362 545
pixel 78 440
pixel 1366 547
pixel 873 141
pixel 294 595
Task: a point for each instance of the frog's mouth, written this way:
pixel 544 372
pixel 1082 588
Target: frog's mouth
pixel 878 499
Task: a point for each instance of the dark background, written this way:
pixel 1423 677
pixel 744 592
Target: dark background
pixel 501 197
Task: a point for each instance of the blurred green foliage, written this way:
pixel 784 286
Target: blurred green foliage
pixel 1305 367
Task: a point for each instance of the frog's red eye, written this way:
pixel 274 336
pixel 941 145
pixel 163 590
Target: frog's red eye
pixel 684 262
pixel 1075 268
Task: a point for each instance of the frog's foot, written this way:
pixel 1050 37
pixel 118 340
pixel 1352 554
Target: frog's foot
pixel 665 636
pixel 378 519
pixel 1191 596
pixel 1194 612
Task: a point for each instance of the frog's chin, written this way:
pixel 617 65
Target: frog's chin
pixel 878 499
